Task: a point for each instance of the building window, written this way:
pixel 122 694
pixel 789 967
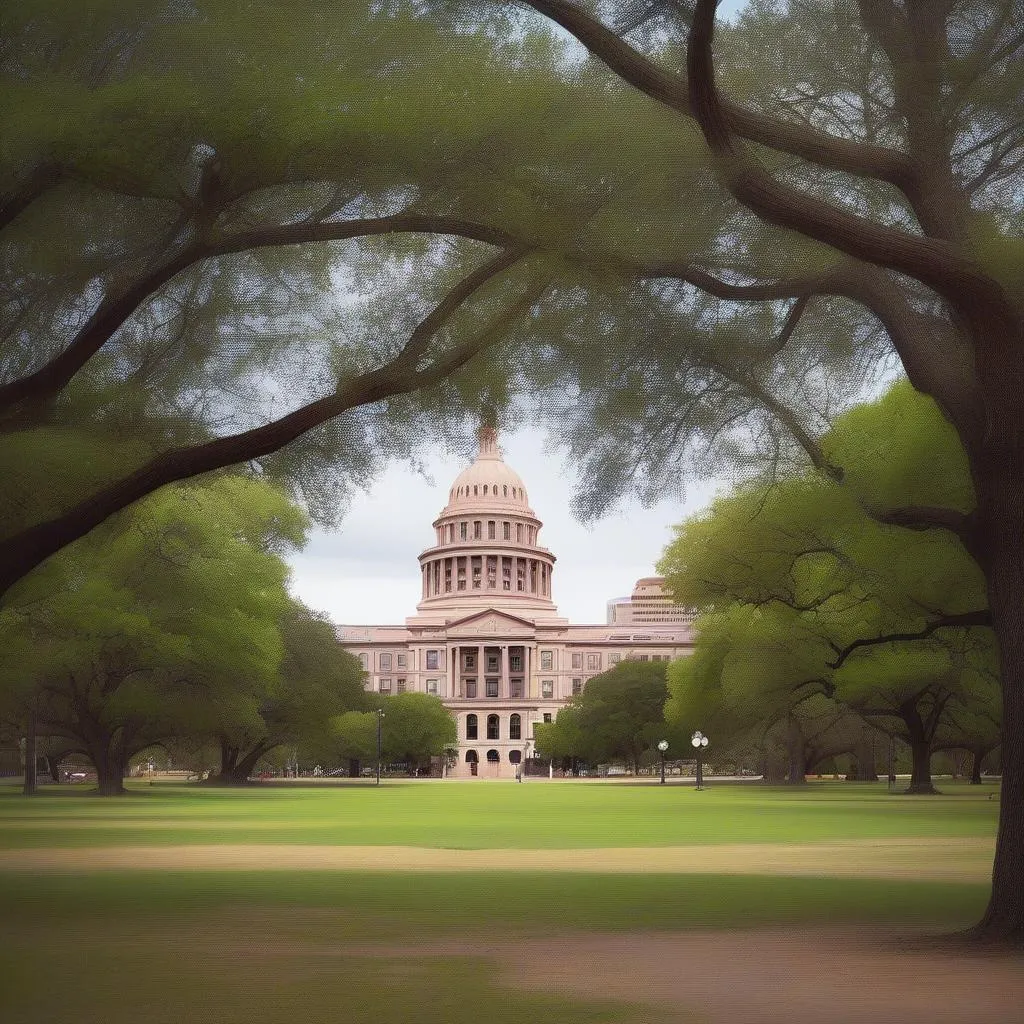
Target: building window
pixel 385 686
pixel 594 662
pixel 547 688
pixel 492 687
pixel 614 659
pixel 507 530
pixel 492 662
pixel 643 657
pixel 432 661
pixel 477 529
pixel 470 661
pixel 463 531
pixel 515 687
pixel 400 661
pixel 547 717
pixel 519 533
pixel 515 728
pixel 546 660
pixel 493 728
pixel 471 757
pixel 515 756
pixel 515 663
pixel 577 686
pixel 492 756
pixel 470 687
pixel 490 529
pixel 400 686
pixel 432 686
pixel 577 659
pixel 471 727
pixel 385 663
pixel 364 661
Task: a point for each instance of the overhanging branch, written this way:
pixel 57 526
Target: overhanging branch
pixel 962 620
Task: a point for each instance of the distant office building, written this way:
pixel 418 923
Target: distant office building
pixel 487 637
pixel 649 605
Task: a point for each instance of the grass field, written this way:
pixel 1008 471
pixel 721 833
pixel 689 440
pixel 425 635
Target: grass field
pixel 81 944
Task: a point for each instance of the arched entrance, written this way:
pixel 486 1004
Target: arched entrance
pixel 473 761
pixel 493 764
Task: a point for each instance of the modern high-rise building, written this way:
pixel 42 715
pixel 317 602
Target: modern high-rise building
pixel 487 637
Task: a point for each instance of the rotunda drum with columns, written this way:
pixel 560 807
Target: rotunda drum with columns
pixel 486 637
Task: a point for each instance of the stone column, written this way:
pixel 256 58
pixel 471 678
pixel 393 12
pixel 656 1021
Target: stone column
pixel 504 688
pixel 481 686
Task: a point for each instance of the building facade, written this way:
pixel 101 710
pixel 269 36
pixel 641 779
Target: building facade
pixel 650 604
pixel 487 637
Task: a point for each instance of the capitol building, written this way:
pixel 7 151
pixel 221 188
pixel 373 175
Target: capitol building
pixel 487 637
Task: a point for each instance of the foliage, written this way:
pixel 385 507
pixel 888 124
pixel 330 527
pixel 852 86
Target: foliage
pixel 617 716
pixel 415 728
pixel 317 680
pixel 141 630
pixel 800 585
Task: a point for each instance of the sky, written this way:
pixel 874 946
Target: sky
pixel 366 573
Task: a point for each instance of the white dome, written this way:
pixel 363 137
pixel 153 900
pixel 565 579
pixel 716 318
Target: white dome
pixel 488 484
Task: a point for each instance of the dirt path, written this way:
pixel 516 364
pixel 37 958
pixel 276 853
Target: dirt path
pixel 771 976
pixel 953 860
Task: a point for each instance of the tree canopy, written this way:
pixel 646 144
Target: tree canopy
pixel 618 716
pixel 149 626
pixel 807 596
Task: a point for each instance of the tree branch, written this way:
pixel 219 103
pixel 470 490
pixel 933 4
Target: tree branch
pixel 959 621
pixel 41 178
pixel 860 159
pixel 114 311
pixel 934 262
pixel 24 551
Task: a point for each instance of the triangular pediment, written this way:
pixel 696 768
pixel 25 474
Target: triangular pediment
pixel 490 622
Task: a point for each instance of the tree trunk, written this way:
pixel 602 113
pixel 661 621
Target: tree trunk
pixel 977 756
pixel 795 775
pixel 29 788
pixel 1001 527
pixel 109 765
pixel 921 770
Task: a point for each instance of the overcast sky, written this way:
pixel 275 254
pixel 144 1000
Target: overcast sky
pixel 366 571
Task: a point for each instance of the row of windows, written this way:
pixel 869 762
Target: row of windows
pixel 384 686
pixel 481 490
pixel 474 529
pixel 515 727
pixel 492 661
pixel 514 756
pixel 386 661
pixel 468 687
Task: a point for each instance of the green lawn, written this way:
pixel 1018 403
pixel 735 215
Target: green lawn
pixel 490 815
pixel 273 947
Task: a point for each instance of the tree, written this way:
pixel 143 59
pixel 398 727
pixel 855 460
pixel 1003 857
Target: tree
pixel 617 716
pixel 812 598
pixel 415 728
pixel 316 682
pixel 135 633
pixel 898 159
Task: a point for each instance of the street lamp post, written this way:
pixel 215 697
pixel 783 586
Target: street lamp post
pixel 662 747
pixel 380 719
pixel 699 741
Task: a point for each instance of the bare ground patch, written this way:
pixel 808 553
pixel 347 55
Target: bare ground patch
pixel 765 975
pixel 939 859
